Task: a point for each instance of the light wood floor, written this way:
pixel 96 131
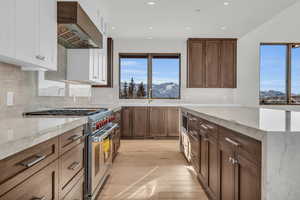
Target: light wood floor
pixel 152 170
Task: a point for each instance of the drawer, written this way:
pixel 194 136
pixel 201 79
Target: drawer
pixel 70 139
pixel 74 189
pixel 208 129
pixel 24 164
pixel 244 145
pixel 76 193
pixel 71 163
pixel 42 185
pixel 193 122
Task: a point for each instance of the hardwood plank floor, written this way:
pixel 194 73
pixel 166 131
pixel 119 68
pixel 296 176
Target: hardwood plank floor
pixel 152 170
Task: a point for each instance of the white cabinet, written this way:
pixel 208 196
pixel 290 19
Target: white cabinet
pixel 29 33
pixel 86 66
pixel 7 24
pixel 48 33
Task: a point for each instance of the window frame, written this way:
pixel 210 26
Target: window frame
pixel 288 77
pixel 149 57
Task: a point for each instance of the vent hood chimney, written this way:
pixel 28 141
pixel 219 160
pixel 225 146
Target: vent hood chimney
pixel 75 29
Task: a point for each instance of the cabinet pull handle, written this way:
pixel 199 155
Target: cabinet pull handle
pixel 30 162
pixel 74 137
pixel 234 162
pixel 193 119
pixel 74 165
pixel 39 198
pixel 232 142
pixel 204 126
pixel 40 57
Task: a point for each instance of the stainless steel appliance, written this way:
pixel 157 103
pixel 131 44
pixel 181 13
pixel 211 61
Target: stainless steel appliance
pixel 98 143
pixel 184 137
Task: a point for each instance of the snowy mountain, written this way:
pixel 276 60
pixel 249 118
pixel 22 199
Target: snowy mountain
pixel 164 90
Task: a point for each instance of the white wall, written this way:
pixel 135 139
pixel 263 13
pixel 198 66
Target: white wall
pixel 199 96
pixel 285 27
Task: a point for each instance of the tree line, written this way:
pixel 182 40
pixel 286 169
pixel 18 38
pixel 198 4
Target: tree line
pixel 131 91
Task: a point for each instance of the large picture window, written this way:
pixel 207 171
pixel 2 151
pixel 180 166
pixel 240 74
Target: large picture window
pixel 155 76
pixel 279 74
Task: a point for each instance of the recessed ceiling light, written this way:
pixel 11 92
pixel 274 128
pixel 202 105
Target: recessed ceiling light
pixel 226 3
pixel 223 28
pixel 150 27
pixel 188 28
pixel 149 38
pixel 151 3
pixel 113 28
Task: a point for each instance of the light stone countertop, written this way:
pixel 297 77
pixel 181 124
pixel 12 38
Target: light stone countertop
pixel 251 121
pixel 18 134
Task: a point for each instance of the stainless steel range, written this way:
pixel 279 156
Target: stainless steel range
pixel 98 143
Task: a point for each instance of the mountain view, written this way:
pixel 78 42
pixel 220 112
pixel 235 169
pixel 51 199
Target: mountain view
pixel 163 90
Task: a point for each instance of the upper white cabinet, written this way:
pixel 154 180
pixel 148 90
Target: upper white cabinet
pixel 86 66
pixel 7 23
pixel 29 33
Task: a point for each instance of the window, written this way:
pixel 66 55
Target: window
pixel 155 76
pixel 279 74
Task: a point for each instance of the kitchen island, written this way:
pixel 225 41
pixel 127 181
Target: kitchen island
pixel 278 131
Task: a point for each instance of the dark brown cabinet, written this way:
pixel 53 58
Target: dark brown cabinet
pixel 229 163
pixel 211 63
pixel 196 63
pixel 42 185
pixel 140 122
pixel 126 124
pixel 49 170
pixel 150 122
pixel 173 121
pixel 212 66
pixel 158 122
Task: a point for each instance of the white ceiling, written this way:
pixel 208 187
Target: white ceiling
pixel 179 18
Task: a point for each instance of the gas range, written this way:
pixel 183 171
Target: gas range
pixel 98 143
pixel 68 112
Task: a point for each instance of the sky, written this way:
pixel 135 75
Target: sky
pixel 163 70
pixel 273 68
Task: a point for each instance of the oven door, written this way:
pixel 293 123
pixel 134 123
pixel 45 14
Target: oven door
pixel 101 158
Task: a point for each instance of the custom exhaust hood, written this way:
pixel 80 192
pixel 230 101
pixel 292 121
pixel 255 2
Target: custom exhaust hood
pixel 75 29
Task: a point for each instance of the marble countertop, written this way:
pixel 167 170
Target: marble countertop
pixel 19 133
pixel 253 122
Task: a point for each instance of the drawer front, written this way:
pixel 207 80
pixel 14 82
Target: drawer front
pixel 76 192
pixel 246 146
pixel 193 122
pixel 70 164
pixel 68 192
pixel 24 164
pixel 70 139
pixel 42 185
pixel 208 129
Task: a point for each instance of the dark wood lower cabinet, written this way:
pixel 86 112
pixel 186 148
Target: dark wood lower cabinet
pixel 248 179
pixel 227 173
pixel 42 185
pixel 213 169
pixel 229 162
pixel 150 122
pixel 140 122
pixel 126 124
pixel 158 122
pixel 173 121
pixel 49 170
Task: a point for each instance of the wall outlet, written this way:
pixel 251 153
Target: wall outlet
pixel 10 98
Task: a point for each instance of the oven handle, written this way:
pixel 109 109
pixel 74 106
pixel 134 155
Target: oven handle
pixel 101 137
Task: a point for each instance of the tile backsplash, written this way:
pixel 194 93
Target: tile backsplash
pixel 31 91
